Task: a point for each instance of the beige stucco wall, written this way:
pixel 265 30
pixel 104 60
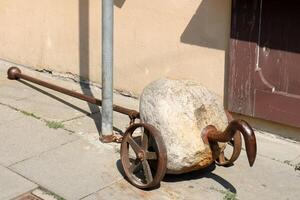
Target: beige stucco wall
pixel 186 39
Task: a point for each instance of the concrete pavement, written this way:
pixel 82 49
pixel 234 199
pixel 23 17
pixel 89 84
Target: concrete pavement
pixel 49 147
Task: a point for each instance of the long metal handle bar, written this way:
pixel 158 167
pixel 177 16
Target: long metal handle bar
pixel 15 73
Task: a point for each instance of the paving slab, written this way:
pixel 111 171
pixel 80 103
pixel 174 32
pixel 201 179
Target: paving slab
pixel 13 90
pixel 91 124
pixel 51 105
pixel 13 185
pixel 277 148
pixel 8 115
pixel 119 190
pixel 27 137
pixel 268 179
pixel 74 170
pixel 119 99
pixel 26 96
pixel 123 191
pixel 174 191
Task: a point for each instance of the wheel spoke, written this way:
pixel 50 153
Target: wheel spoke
pixel 222 158
pixel 134 166
pixel 136 148
pixel 151 156
pixel 147 171
pixel 145 141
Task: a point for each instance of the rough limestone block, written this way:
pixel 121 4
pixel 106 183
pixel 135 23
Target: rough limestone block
pixel 180 109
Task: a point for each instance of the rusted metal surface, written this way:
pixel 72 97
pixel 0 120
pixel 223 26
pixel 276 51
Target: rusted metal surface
pixel 147 167
pixel 210 135
pixel 15 73
pixel 264 56
pixel 236 142
pixel 111 138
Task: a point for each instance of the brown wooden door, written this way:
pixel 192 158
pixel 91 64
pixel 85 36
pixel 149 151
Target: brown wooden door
pixel 264 79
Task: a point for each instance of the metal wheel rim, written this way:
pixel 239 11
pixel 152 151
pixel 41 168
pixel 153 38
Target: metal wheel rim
pixel 160 151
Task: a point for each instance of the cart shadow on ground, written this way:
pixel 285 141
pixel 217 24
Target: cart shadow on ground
pixel 206 173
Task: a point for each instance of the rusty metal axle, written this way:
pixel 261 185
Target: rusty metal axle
pixel 15 73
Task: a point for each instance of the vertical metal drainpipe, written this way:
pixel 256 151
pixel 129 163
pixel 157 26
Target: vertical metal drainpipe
pixel 107 67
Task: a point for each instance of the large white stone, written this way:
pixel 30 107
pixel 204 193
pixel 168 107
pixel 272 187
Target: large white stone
pixel 180 109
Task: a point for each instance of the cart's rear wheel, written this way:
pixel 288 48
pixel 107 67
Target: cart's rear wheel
pixel 143 155
pixel 236 143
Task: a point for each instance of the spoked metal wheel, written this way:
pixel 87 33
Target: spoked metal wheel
pixel 143 155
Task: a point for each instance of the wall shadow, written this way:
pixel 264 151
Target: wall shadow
pixel 84 58
pixel 209 27
pixel 119 3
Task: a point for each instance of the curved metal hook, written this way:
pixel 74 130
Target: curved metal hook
pixel 236 142
pixel 210 134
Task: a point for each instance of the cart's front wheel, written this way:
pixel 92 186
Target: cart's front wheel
pixel 143 155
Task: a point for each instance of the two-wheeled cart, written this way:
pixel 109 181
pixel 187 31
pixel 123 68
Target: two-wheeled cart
pixel 144 155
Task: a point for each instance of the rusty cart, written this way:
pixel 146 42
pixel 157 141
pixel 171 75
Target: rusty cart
pixel 149 165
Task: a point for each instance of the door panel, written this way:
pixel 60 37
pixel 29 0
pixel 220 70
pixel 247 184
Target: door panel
pixel 277 107
pixel 269 72
pixel 244 34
